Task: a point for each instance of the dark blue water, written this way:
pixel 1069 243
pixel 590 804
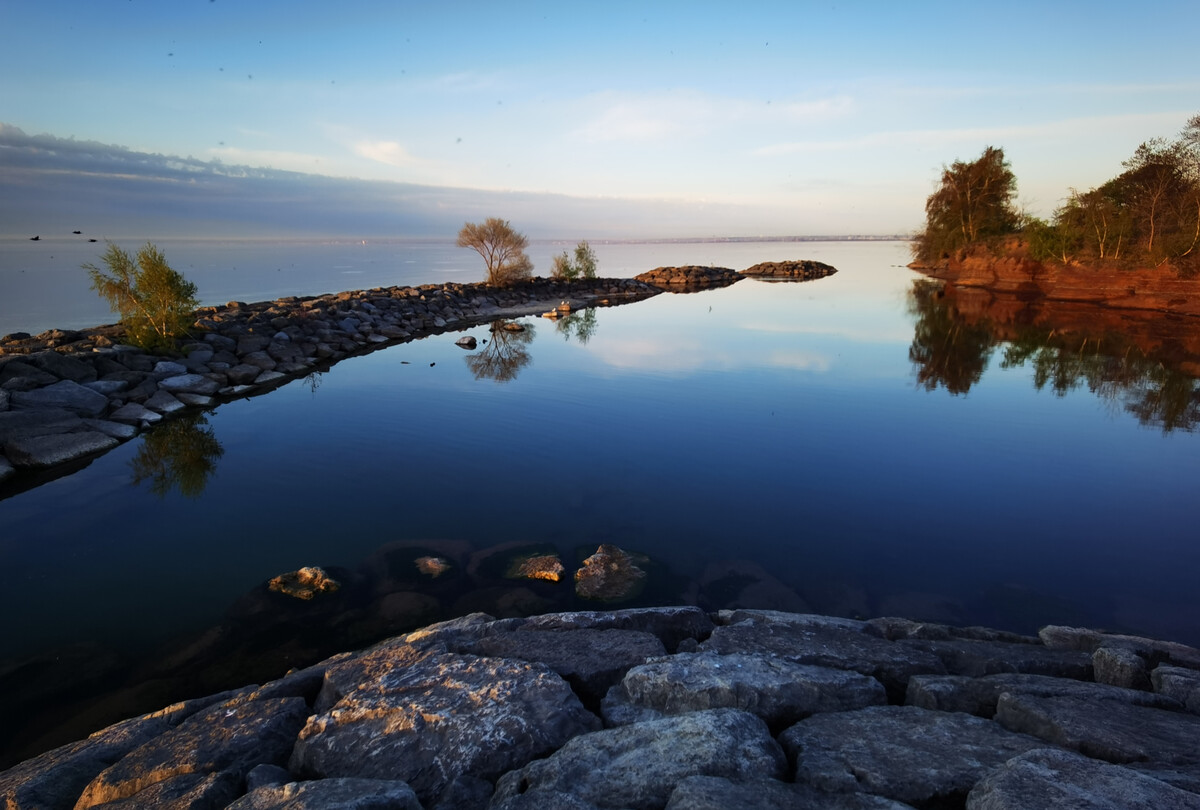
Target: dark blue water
pixel 764 443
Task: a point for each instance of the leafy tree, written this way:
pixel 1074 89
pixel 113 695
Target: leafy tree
pixel 974 201
pixel 584 265
pixel 155 302
pixel 502 249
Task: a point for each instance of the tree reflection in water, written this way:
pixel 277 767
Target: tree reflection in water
pixel 181 454
pixel 505 354
pixel 945 351
pixel 579 325
pixel 952 350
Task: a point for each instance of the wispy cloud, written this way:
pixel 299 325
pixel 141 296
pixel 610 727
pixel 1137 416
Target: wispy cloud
pixel 1065 128
pixel 390 153
pixel 652 117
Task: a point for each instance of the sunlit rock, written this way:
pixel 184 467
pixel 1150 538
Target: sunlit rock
pixel 801 270
pixel 609 574
pixel 304 584
pixel 466 342
pixel 544 566
pixel 432 566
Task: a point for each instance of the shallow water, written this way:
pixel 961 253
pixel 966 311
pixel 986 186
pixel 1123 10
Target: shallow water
pixel 767 444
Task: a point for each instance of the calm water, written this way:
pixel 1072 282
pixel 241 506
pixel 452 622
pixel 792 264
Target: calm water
pixel 775 445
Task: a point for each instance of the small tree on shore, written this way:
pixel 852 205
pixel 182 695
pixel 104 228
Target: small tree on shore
pixel 584 265
pixel 973 201
pixel 502 249
pixel 154 301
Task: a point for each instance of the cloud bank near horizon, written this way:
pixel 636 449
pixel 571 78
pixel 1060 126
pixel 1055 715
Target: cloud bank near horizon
pixel 52 184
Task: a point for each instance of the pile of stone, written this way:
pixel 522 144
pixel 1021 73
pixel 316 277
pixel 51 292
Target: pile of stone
pixel 674 708
pixel 70 395
pixel 803 270
pixel 689 278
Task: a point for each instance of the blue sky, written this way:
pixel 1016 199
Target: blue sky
pixel 683 118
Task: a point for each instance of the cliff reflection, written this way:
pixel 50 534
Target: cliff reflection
pixel 1146 365
pixel 182 455
pixel 505 353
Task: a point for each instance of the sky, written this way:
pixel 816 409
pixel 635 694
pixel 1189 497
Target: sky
pixel 568 119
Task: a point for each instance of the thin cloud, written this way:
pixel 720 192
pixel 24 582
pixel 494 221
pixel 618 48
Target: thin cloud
pixel 390 153
pixel 656 117
pixel 1066 128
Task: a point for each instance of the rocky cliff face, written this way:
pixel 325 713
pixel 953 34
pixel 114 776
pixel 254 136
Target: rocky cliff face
pixel 1009 269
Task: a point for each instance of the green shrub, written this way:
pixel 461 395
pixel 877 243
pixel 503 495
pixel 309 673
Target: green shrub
pixel 155 303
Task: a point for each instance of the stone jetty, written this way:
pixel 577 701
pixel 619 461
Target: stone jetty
pixel 66 396
pixel 673 708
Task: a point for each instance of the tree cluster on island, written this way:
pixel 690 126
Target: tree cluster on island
pixel 1147 216
pixel 503 251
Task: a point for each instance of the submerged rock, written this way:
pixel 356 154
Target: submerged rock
pixel 304 584
pixel 432 566
pixel 609 575
pixel 543 566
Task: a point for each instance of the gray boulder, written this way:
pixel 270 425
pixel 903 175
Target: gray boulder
pixel 639 766
pixel 592 661
pixel 168 368
pixel 47 451
pixel 670 624
pixel 1108 730
pixel 717 793
pixel 1060 780
pixel 189 383
pixel 135 414
pixel 1119 666
pixel 775 689
pixel 6 468
pixel 191 791
pixel 978 696
pixel 429 720
pixel 56 778
pixel 64 367
pixel 331 794
pixel 65 394
pixel 16 375
pixel 242 374
pixel 1153 650
pixel 835 645
pixel 118 430
pixel 164 402
pixel 228 737
pixel 976 658
pixel 1179 684
pixel 903 753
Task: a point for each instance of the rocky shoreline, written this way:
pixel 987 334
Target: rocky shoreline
pixel 1009 269
pixel 68 396
pixel 668 707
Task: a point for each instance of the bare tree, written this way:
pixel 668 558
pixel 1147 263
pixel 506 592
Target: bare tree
pixel 502 249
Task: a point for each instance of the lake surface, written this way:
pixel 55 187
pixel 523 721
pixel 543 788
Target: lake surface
pixel 844 446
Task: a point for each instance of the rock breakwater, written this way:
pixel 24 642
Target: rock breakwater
pixel 669 707
pixel 66 396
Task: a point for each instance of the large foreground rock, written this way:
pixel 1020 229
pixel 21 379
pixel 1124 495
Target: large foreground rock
pixel 716 793
pixel 838 644
pixel 228 737
pixel 65 394
pixel 903 753
pixel 639 766
pixel 1108 730
pixel 428 720
pixel 47 451
pixel 979 696
pixel 775 689
pixel 331 794
pixel 1060 780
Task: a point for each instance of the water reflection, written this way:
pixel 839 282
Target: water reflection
pixel 1143 364
pixel 578 325
pixel 179 455
pixel 504 354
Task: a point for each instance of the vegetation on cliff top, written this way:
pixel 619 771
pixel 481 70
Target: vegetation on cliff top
pixel 1149 215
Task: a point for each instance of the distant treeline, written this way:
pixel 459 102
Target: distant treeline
pixel 1147 216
